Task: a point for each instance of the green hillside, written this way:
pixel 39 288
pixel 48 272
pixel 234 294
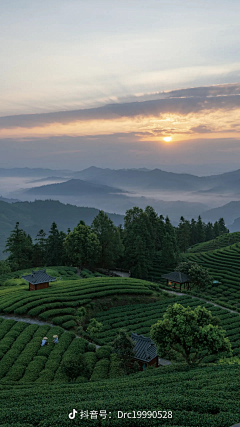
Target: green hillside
pixel 224 266
pixel 202 397
pixel 140 317
pixel 23 360
pixel 218 243
pixel 59 302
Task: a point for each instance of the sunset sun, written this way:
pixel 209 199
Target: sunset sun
pixel 167 138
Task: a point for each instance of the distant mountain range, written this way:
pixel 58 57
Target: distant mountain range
pixel 74 187
pixel 172 194
pixel 159 179
pixel 40 214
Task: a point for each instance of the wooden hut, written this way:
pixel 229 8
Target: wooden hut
pixel 38 280
pixel 145 351
pixel 176 277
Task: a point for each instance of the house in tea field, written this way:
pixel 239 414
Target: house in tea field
pixel 145 351
pixel 38 280
pixel 177 278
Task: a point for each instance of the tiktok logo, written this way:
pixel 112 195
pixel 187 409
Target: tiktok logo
pixel 72 414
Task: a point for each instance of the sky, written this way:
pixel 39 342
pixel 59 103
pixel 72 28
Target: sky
pixel 120 84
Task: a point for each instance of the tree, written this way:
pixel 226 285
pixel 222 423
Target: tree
pixel 199 276
pixel 183 234
pixel 209 234
pixel 138 238
pixel 123 346
pixel 94 327
pixel 110 240
pixel 82 246
pixel 190 333
pixel 39 250
pixel 200 232
pixel 222 227
pixel 168 255
pixel 20 246
pixel 54 246
pixel 4 267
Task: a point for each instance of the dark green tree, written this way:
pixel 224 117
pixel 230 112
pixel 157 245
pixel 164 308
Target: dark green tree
pixel 39 250
pixel 168 254
pixel 82 246
pixel 209 233
pixel 55 253
pixel 110 240
pixel 222 227
pixel 199 276
pixel 123 346
pixel 138 239
pixel 183 234
pixel 200 232
pixel 20 247
pixel 190 333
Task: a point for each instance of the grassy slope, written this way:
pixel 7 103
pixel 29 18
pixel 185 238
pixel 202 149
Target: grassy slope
pixel 201 397
pixel 139 318
pixel 23 360
pixel 59 302
pixel 218 243
pixel 224 266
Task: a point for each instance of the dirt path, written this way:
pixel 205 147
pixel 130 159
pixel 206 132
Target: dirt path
pixel 37 322
pixel 201 299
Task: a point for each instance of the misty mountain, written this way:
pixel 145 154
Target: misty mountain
pixel 5 199
pixel 73 187
pixel 162 180
pixel 235 226
pixel 40 214
pixel 141 180
pixel 229 212
pixel 33 172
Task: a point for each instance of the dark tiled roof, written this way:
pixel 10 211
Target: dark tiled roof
pixel 145 349
pixel 39 276
pixel 176 276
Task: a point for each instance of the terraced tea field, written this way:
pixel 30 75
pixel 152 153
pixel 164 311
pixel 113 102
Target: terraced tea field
pixel 224 266
pixel 23 360
pixel 220 242
pixel 201 397
pixel 59 302
pixel 140 317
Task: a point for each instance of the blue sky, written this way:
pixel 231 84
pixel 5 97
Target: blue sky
pixel 71 55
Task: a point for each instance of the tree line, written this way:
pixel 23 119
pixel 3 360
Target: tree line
pixel 133 246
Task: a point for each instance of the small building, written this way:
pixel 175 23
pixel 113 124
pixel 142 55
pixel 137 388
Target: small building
pixel 145 351
pixel 38 280
pixel 176 277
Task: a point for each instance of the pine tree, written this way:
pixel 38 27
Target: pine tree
pixel 183 234
pixel 110 240
pixel 20 246
pixel 54 246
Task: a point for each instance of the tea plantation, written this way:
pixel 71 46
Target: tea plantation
pixel 140 317
pixel 59 302
pixel 207 396
pixel 35 390
pixel 224 266
pixel 23 360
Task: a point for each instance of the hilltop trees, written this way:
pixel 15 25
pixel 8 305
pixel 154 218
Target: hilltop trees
pixel 82 246
pixel 111 247
pixel 190 333
pixel 20 246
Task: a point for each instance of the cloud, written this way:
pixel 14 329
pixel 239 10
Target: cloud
pixel 179 102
